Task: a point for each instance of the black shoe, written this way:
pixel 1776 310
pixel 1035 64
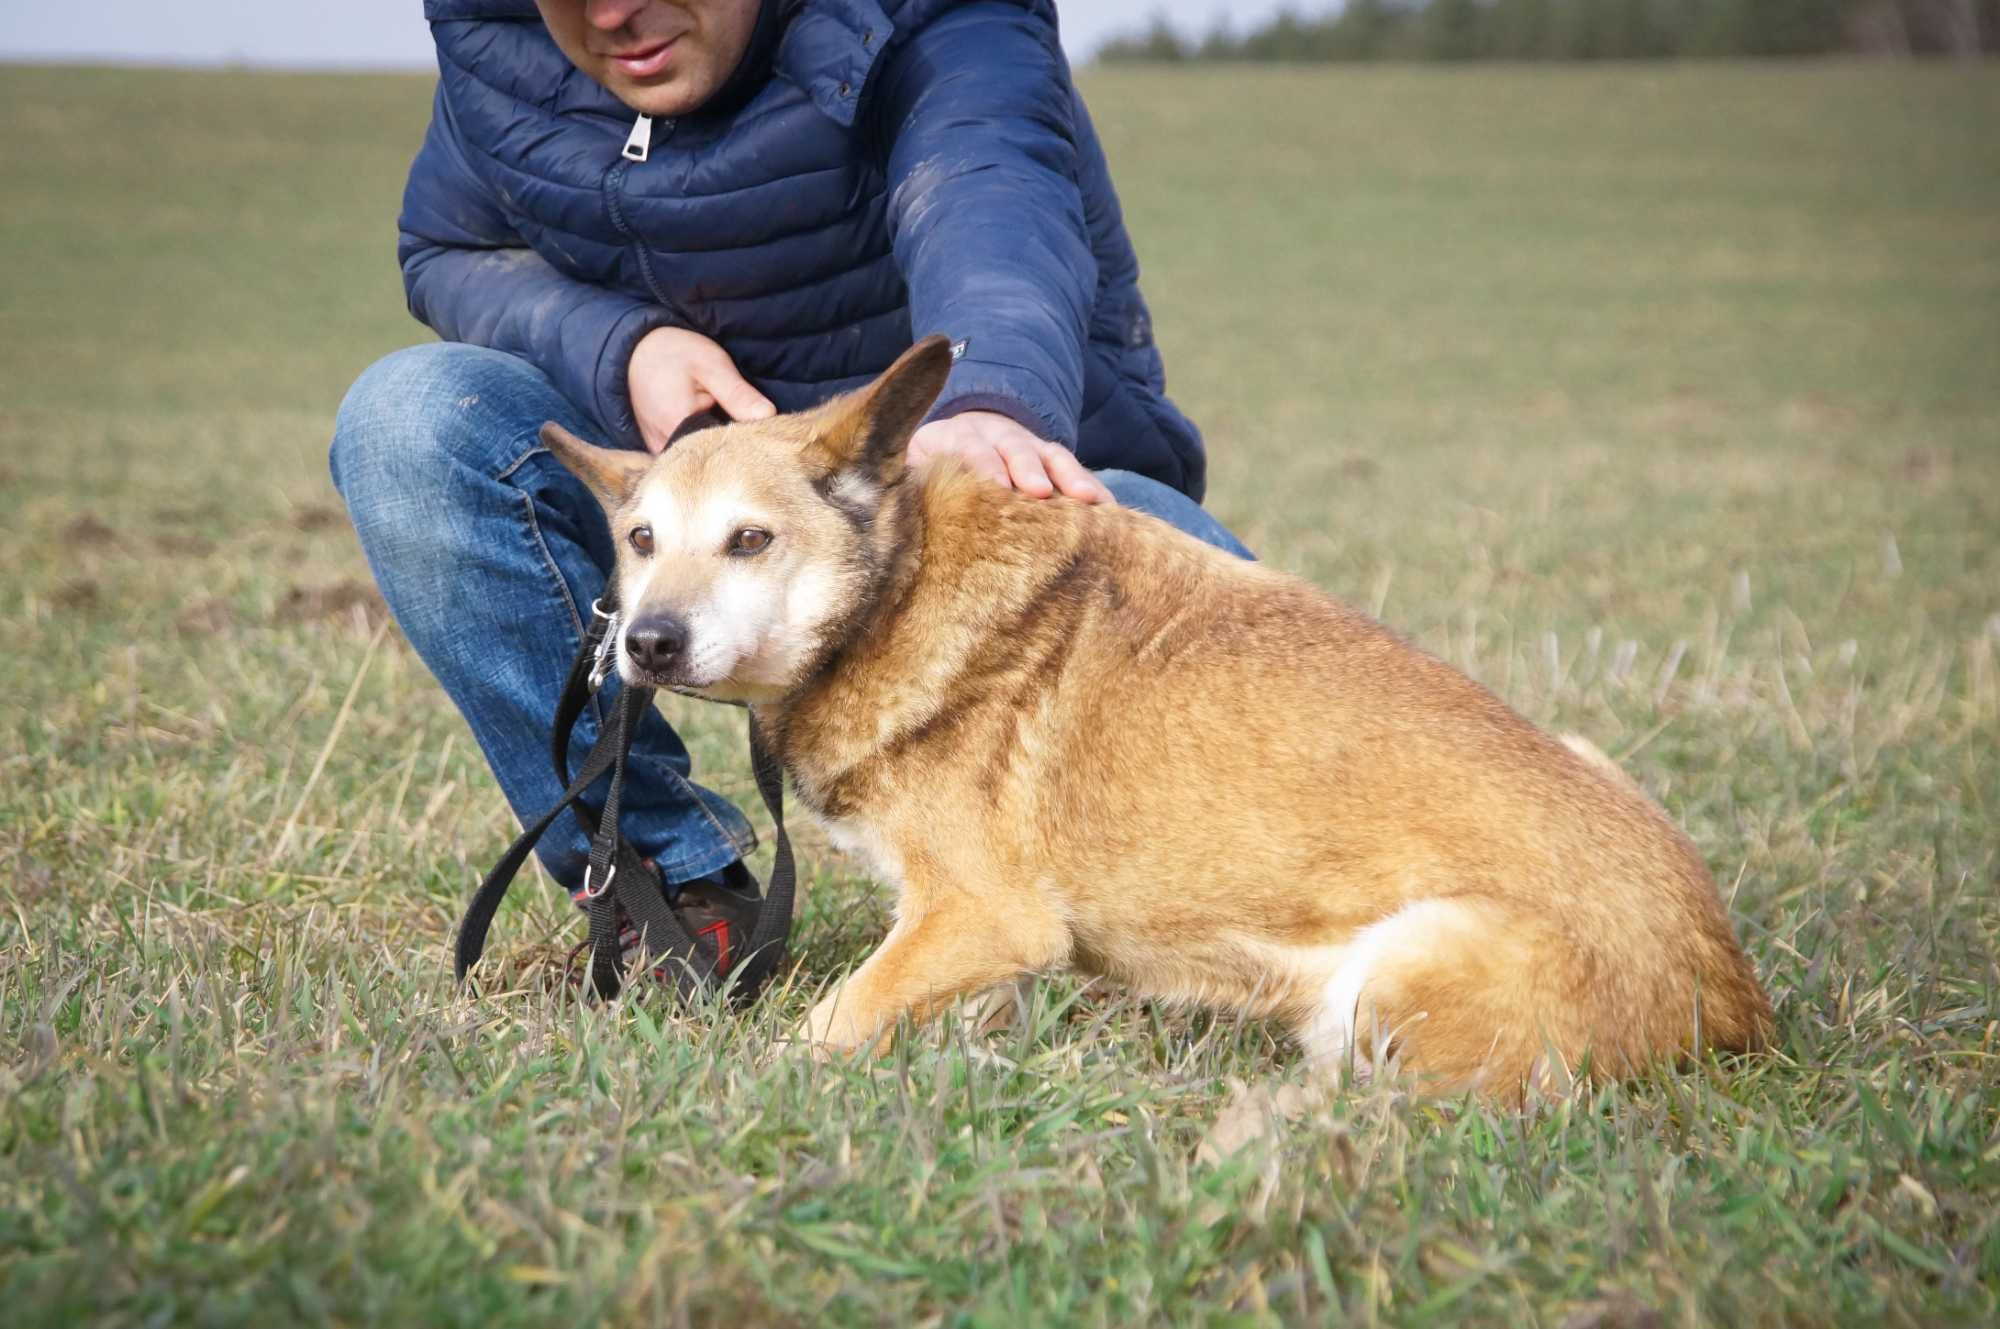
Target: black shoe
pixel 718 911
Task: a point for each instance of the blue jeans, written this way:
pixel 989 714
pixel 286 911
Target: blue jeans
pixel 490 553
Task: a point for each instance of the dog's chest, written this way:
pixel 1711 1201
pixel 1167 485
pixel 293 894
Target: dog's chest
pixel 865 842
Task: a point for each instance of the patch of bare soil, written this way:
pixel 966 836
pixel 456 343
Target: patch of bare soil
pixel 87 530
pixel 314 517
pixel 1927 466
pixel 340 599
pixel 77 593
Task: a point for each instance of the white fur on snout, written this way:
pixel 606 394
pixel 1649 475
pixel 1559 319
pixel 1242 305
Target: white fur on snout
pixel 732 623
pixel 809 603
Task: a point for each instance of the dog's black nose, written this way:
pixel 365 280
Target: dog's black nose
pixel 656 641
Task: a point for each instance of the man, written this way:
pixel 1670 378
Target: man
pixel 627 213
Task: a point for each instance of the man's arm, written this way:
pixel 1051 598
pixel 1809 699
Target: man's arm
pixel 470 277
pixel 985 213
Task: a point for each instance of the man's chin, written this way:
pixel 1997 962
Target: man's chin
pixel 661 99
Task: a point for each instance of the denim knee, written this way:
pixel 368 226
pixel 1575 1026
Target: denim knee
pixel 1170 505
pixel 400 420
pixel 424 446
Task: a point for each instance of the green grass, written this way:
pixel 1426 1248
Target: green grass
pixel 1666 401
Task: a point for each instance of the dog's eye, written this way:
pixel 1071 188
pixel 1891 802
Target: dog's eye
pixel 749 540
pixel 642 540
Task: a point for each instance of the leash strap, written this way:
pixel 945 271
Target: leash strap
pixel 618 879
pixel 769 938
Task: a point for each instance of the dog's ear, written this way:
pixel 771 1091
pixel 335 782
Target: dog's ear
pixel 610 473
pixel 868 429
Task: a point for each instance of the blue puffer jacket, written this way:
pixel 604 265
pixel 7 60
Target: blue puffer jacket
pixel 875 171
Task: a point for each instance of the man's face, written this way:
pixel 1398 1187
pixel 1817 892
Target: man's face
pixel 660 57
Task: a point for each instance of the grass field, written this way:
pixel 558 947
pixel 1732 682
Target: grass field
pixel 1665 401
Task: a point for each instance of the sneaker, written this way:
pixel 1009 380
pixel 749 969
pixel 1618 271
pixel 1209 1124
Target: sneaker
pixel 719 911
pixel 720 908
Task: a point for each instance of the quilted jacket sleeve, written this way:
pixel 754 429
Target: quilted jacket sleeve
pixel 985 211
pixel 471 278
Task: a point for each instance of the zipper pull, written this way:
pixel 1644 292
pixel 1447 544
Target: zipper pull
pixel 640 141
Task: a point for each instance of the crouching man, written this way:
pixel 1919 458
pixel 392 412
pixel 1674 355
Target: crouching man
pixel 628 213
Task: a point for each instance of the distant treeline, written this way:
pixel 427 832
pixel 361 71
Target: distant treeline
pixel 1590 30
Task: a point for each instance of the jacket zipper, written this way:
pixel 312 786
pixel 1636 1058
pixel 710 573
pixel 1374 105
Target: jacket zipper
pixel 639 142
pixel 638 145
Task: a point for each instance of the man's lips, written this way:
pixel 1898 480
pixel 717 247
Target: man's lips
pixel 646 61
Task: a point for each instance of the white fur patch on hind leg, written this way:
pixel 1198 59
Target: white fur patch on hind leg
pixel 1330 1036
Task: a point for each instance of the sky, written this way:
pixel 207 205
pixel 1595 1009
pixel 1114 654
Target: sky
pixel 391 33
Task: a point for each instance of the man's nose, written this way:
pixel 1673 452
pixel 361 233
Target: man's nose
pixel 610 15
pixel 655 641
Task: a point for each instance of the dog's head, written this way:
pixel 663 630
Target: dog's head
pixel 747 552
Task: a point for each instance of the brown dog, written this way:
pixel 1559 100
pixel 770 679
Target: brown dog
pixel 1071 735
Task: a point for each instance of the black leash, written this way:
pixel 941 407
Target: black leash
pixel 620 887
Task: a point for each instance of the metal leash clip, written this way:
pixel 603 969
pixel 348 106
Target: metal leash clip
pixel 591 893
pixel 607 645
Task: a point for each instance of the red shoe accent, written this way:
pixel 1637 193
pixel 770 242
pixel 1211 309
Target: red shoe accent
pixel 719 929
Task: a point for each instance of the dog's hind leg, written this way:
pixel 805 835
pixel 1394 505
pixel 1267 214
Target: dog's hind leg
pixel 947 944
pixel 1446 991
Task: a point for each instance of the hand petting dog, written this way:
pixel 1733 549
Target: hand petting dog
pixel 999 448
pixel 675 375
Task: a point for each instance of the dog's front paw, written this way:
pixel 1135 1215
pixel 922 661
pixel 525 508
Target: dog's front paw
pixel 830 1030
pixel 802 1044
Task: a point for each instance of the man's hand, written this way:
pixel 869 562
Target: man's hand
pixel 1004 452
pixel 675 373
